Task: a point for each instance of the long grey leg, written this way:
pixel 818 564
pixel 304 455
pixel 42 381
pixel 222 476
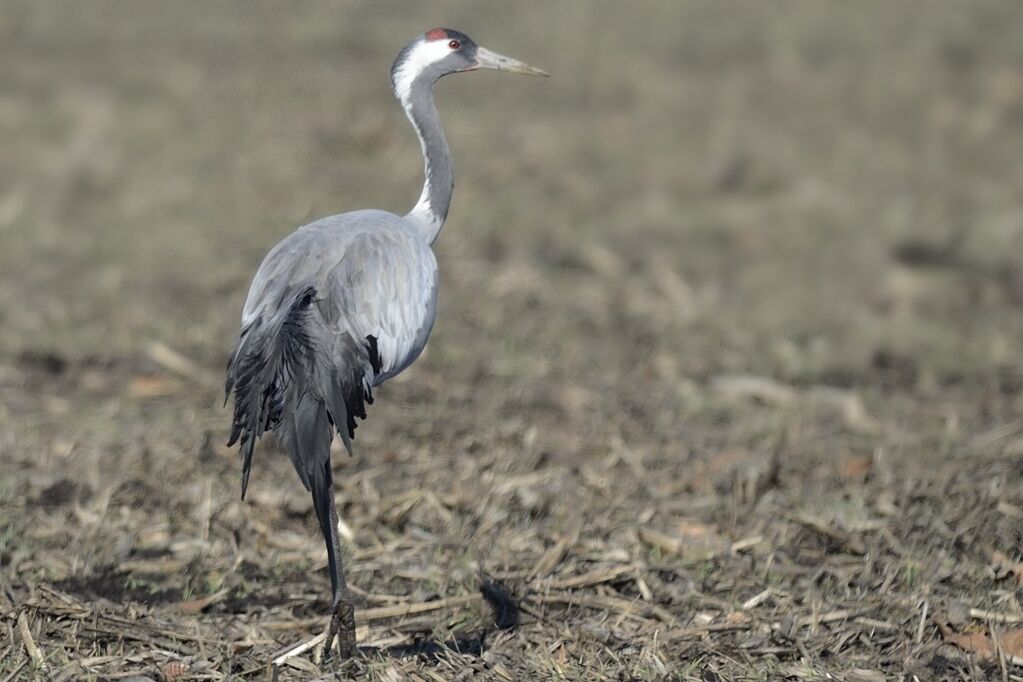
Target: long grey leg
pixel 342 621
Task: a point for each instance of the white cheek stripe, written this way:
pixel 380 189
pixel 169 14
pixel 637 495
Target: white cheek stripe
pixel 422 55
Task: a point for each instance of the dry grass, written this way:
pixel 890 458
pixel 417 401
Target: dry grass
pixel 726 381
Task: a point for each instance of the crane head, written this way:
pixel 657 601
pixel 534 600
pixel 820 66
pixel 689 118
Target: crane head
pixel 442 51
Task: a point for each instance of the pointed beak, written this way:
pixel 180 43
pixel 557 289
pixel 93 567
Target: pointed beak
pixel 485 59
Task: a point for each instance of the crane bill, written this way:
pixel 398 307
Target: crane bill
pixel 488 59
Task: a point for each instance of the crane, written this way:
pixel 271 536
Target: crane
pixel 345 303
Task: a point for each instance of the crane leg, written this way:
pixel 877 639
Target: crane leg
pixel 342 620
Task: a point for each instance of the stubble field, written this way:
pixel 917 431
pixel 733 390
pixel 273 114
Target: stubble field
pixel 726 381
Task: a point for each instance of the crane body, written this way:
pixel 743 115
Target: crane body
pixel 345 303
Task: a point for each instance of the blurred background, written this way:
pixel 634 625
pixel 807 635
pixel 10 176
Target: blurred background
pixel 737 272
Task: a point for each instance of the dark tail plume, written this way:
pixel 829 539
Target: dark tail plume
pixel 270 357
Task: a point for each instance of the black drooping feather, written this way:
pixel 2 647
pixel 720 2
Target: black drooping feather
pixel 269 355
pixel 291 375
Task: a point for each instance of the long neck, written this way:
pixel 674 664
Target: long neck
pixel 432 208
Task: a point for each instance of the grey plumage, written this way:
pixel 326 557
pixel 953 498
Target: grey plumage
pixel 345 303
pixel 335 309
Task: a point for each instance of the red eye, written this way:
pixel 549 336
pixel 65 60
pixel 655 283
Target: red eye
pixel 454 44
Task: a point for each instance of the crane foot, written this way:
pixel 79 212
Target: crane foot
pixel 342 626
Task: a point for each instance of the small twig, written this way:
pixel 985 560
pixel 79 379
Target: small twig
pixel 628 609
pixel 127 633
pixel 847 540
pixel 829 617
pixel 923 621
pixel 383 612
pixel 298 650
pixel 97 660
pixel 875 624
pixel 30 644
pixel 757 599
pixel 379 613
pixel 160 566
pixel 700 630
pixel 171 634
pixel 591 578
pixel 746 543
pixel 552 557
pixel 662 541
pixel 198 605
pixel 995 617
pixel 172 360
pixel 62 596
pixel 644 589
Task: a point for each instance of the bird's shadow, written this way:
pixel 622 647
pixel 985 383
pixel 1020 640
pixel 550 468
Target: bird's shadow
pixel 505 612
pixel 431 650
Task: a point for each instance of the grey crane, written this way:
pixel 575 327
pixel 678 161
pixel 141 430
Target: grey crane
pixel 345 303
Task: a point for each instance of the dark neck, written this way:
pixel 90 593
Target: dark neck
pixel 432 208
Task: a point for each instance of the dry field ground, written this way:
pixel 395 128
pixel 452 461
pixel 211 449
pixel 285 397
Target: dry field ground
pixel 727 379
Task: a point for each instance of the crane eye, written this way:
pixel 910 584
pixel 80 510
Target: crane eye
pixel 454 44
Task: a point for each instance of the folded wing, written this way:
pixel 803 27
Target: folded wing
pixel 330 315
